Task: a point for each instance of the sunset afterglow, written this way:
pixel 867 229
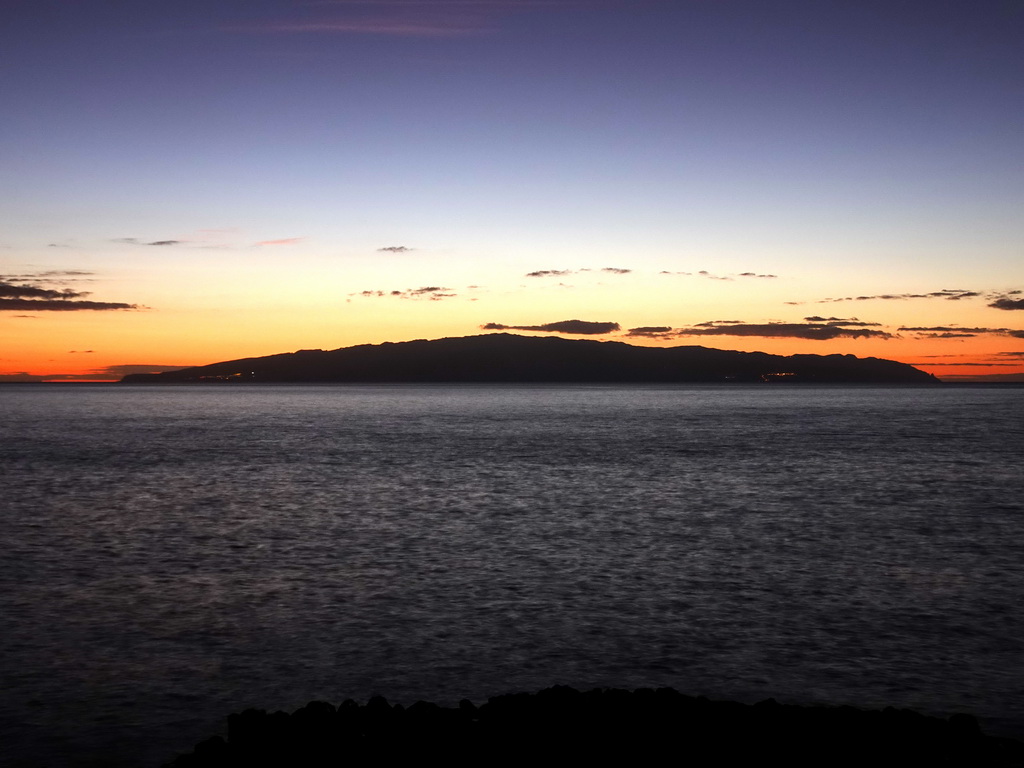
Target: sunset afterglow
pixel 195 182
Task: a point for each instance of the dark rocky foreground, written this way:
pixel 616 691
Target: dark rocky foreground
pixel 562 725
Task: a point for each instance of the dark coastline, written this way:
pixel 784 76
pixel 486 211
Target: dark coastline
pixel 563 725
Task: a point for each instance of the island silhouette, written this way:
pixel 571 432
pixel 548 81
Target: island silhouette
pixel 510 358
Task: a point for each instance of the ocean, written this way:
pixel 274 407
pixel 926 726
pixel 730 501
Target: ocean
pixel 174 554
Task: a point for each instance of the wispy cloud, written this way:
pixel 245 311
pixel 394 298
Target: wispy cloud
pixel 549 273
pixel 841 321
pixel 107 373
pixel 958 332
pixel 393 18
pixel 968 365
pixel 712 276
pixel 430 292
pixel 51 274
pixel 570 327
pixel 282 241
pixel 395 249
pixel 136 241
pixel 949 294
pixel 564 272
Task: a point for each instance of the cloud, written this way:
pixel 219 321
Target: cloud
pixel 283 241
pixel 431 292
pixel 572 327
pixel 46 305
pixel 563 272
pixel 19 377
pixel 810 331
pixel 950 294
pixel 950 329
pixel 127 368
pixel 14 291
pixel 395 249
pixel 956 332
pixel 108 373
pixel 27 297
pixel 651 331
pixel 549 273
pixel 713 276
pixel 852 322
pixel 1007 303
pixel 136 241
pixel 50 273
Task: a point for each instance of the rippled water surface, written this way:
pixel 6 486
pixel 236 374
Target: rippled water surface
pixel 175 554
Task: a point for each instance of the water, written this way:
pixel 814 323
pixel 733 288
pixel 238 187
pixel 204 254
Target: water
pixel 175 554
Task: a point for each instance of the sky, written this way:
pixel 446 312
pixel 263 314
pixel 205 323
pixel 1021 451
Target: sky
pixel 188 182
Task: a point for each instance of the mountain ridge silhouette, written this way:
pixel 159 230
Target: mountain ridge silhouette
pixel 511 358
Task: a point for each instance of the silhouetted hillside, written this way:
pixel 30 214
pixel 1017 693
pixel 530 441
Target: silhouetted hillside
pixel 503 357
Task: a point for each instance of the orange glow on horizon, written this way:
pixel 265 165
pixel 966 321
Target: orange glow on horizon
pixel 969 359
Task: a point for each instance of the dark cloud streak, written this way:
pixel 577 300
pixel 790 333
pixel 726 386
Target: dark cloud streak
pixel 809 331
pixel 16 297
pixel 48 305
pixel 13 291
pixel 572 327
pixel 1007 303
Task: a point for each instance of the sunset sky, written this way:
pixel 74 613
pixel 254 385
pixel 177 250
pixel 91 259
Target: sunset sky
pixel 193 181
